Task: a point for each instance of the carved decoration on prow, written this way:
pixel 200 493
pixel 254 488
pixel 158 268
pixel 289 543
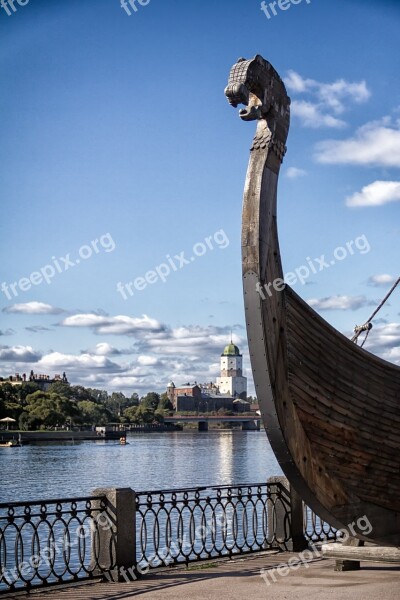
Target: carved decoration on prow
pixel 257 85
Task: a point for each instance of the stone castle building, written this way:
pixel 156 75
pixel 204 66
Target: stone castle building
pixel 231 380
pixel 42 381
pixel 229 390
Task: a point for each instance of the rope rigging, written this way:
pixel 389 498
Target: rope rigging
pixel 368 325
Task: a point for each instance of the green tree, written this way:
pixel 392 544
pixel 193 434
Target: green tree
pixel 29 387
pixel 49 409
pixel 2 408
pixel 61 388
pixel 116 403
pixel 165 403
pixel 144 414
pixel 93 413
pixel 151 400
pixel 131 414
pixel 12 409
pixel 31 399
pixel 100 396
pixel 9 392
pixel 134 400
pixel 28 422
pixel 67 407
pixel 159 416
pixel 79 393
pixel 44 410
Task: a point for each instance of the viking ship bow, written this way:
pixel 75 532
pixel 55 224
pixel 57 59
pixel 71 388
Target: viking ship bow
pixel 331 409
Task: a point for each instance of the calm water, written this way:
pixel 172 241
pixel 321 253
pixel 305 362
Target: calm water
pixel 149 462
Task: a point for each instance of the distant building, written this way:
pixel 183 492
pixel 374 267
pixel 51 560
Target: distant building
pixel 191 390
pixel 231 380
pixel 240 405
pixel 211 397
pixel 42 381
pixel 205 404
pixel 209 389
pixel 13 379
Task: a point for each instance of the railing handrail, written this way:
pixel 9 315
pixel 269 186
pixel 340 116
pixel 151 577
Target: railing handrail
pixel 139 493
pixel 161 527
pixel 51 501
pixel 202 488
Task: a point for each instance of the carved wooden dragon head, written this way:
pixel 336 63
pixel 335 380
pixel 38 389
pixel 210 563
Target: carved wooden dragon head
pixel 257 85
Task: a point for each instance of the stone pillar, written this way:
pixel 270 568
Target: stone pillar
pixel 117 534
pixel 287 517
pixel 299 542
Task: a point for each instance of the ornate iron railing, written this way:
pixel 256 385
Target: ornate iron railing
pixel 51 541
pixel 181 526
pixel 315 529
pixel 70 539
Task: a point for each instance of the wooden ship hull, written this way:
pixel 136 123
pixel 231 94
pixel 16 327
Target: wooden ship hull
pixel 331 409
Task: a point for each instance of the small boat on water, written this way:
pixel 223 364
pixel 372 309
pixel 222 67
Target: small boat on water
pixel 10 444
pixel 330 408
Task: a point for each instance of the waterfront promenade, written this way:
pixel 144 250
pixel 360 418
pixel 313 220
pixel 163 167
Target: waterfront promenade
pixel 240 578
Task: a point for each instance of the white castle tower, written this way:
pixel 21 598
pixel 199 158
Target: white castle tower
pixel 232 381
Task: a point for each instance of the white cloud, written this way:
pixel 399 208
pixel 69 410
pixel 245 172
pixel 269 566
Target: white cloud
pixel 339 303
pixel 324 99
pixel 119 325
pixel 336 93
pixel 295 83
pixel 192 341
pixel 393 355
pixel 124 383
pixel 19 354
pixel 214 370
pixel 147 361
pixel 57 360
pixel 330 94
pixel 383 280
pixel 311 115
pixel 374 144
pixel 104 349
pixel 375 194
pixel 33 308
pixel 387 336
pixel 385 342
pixel 294 172
pixel 181 353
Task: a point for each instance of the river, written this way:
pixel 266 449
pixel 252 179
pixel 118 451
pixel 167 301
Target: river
pixel 149 462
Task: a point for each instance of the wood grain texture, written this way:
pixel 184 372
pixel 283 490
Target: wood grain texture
pixel 331 410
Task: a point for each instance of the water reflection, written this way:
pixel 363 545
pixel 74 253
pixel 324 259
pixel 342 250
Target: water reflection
pixel 150 461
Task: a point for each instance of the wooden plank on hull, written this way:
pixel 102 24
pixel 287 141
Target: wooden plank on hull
pixel 331 409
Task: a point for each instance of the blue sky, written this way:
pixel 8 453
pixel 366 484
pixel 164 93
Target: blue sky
pixel 115 128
